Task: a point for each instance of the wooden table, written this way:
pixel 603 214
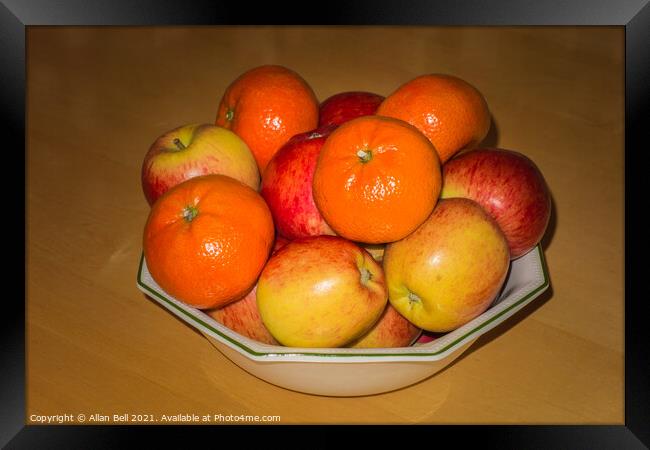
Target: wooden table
pixel 98 97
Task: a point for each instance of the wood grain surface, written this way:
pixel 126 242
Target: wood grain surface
pixel 99 96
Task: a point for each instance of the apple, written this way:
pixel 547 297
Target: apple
pixel 391 330
pixel 427 337
pixel 192 150
pixel 242 316
pixel 509 186
pixel 279 243
pixel 320 291
pixel 340 108
pixel 376 250
pixel 450 269
pixel 287 186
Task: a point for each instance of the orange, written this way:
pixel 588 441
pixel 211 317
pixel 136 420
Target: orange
pixel 207 239
pixel 265 107
pixel 449 111
pixel 377 179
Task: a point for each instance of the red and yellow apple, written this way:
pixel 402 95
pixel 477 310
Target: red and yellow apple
pixel 242 316
pixel 376 250
pixel 192 150
pixel 279 243
pixel 287 186
pixel 391 330
pixel 450 269
pixel 321 291
pixel 509 186
pixel 345 106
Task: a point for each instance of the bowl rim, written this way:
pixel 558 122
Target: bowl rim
pixel 258 351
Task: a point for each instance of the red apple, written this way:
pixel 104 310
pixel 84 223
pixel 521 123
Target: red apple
pixel 287 186
pixel 194 150
pixel 391 330
pixel 243 317
pixel 321 291
pixel 340 108
pixel 428 336
pixel 509 186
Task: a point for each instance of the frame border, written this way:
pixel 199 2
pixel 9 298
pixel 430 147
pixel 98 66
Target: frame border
pixel 634 15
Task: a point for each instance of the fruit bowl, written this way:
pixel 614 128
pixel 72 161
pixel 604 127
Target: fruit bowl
pixel 346 372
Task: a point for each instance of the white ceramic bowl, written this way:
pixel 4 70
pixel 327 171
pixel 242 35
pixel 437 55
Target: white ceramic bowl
pixel 354 372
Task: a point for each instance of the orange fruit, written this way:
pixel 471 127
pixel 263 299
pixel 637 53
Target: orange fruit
pixel 377 179
pixel 449 111
pixel 265 107
pixel 207 239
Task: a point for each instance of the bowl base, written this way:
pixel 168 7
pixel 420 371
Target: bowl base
pixel 338 379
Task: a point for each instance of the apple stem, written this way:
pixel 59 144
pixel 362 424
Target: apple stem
pixel 179 144
pixel 364 155
pixel 365 275
pixel 229 115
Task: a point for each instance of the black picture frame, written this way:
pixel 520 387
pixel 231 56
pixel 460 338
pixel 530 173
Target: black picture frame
pixel 633 15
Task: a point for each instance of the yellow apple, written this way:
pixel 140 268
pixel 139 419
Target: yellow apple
pixel 321 291
pixel 450 269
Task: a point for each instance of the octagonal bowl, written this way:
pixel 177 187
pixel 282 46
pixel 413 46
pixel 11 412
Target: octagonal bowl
pixel 346 372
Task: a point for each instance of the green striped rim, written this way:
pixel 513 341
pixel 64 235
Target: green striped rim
pixel 252 352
